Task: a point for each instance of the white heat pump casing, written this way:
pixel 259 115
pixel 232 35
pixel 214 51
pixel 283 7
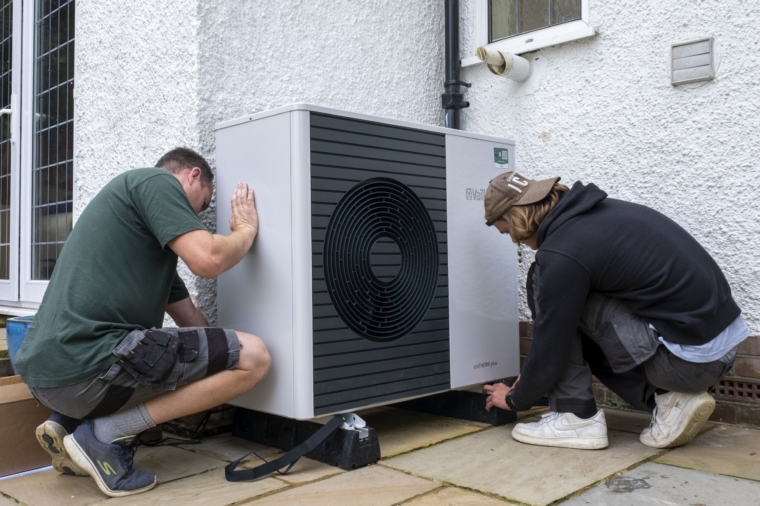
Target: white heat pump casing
pixel 269 293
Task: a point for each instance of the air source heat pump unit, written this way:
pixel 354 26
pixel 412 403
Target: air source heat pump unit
pixel 373 278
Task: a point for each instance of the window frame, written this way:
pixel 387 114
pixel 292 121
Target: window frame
pixel 529 41
pixel 9 287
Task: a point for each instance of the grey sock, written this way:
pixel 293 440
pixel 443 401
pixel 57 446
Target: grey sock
pixel 125 423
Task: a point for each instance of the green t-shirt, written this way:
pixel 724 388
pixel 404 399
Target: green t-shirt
pixel 114 275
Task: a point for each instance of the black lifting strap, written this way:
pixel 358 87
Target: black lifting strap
pixel 289 459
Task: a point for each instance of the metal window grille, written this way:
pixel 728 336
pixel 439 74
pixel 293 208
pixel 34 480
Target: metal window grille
pixel 6 46
pixel 53 181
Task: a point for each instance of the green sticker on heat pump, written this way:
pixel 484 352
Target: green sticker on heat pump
pixel 501 158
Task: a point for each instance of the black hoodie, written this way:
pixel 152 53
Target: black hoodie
pixel 626 251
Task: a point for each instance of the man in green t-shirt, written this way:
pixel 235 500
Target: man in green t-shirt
pixel 96 352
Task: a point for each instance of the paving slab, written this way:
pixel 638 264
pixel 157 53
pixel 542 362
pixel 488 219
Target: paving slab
pixel 169 463
pixel 452 496
pixel 492 462
pixel 228 448
pixel 400 431
pixel 50 488
pixel 729 450
pixel 368 486
pixel 6 502
pixel 304 471
pixel 207 489
pixel 659 484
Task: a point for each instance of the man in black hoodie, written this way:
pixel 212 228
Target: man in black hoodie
pixel 619 291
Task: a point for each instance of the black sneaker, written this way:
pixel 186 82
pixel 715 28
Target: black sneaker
pixel 109 464
pixel 50 436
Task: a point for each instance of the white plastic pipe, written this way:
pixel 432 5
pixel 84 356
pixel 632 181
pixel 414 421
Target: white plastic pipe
pixel 506 65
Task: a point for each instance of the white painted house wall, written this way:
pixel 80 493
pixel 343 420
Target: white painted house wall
pixel 154 75
pixel 602 110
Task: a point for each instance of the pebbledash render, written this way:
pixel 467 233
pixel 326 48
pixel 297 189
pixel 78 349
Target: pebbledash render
pixel 601 109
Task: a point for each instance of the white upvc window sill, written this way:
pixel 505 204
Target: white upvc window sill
pixel 529 41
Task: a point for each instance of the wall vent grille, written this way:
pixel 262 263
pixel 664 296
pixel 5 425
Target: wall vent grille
pixel 692 61
pixel 737 389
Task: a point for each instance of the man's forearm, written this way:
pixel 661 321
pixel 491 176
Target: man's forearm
pixel 208 255
pixel 230 249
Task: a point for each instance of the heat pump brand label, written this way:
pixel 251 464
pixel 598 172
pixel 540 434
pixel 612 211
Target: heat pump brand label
pixel 485 364
pixel 475 193
pixel 501 158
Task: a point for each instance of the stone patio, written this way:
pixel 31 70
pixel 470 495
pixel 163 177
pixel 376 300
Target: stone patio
pixel 432 460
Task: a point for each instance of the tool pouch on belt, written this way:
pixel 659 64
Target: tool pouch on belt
pixel 150 359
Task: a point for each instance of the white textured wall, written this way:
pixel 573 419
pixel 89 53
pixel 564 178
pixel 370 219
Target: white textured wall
pixel 154 75
pixel 137 91
pixel 602 110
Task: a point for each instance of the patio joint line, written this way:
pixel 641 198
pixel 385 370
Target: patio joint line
pixel 611 477
pixel 189 475
pixel 3 494
pixel 708 472
pixel 267 494
pixel 449 484
pixel 410 499
pixel 479 430
pixel 715 426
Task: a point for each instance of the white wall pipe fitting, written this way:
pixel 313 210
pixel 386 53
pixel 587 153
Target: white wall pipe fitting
pixel 506 65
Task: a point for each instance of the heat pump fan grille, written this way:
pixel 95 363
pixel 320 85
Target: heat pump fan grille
pixel 379 263
pixel 375 308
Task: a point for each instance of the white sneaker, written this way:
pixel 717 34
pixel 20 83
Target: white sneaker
pixel 677 419
pixel 565 430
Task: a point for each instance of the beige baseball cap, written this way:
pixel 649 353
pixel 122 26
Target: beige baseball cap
pixel 512 189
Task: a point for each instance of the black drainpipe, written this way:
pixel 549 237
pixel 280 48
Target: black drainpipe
pixel 452 98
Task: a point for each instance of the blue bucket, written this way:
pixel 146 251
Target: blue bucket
pixel 16 331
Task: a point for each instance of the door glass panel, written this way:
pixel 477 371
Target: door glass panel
pixel 6 32
pixel 52 164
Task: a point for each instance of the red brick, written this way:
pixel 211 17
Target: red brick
pixel 724 412
pixel 748 367
pixel 750 346
pixel 526 329
pixel 614 401
pixel 525 345
pixel 750 415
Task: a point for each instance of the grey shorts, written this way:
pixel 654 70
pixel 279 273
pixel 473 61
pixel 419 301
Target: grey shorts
pixel 203 352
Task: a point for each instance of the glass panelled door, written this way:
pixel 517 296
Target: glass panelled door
pixel 10 78
pixel 47 171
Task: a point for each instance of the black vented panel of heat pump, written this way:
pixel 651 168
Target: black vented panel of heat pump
pixel 380 291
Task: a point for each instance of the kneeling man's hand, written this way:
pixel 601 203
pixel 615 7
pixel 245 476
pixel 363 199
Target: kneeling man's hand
pixel 498 395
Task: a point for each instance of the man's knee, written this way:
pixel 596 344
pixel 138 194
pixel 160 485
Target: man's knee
pixel 254 355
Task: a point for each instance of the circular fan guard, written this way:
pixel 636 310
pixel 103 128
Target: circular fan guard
pixel 377 309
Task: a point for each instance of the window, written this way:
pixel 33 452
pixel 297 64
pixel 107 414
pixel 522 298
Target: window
pixel 521 26
pixel 53 129
pixel 36 143
pixel 509 18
